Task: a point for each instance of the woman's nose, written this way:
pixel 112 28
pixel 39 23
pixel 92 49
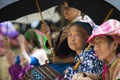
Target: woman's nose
pixel 72 38
pixel 95 48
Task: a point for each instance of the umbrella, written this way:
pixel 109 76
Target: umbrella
pixel 115 3
pixel 4 3
pixel 23 7
pixel 49 14
pixel 98 10
pixel 7 29
pixel 19 8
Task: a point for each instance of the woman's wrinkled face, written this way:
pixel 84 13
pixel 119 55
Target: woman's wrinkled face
pixel 69 12
pixel 75 40
pixel 102 47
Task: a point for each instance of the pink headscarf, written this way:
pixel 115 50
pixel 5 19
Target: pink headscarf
pixel 110 27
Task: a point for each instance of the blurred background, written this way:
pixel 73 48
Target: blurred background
pixel 21 25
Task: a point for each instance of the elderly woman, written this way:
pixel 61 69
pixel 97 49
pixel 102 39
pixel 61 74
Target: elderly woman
pixel 32 52
pixel 106 41
pixel 63 53
pixel 78 33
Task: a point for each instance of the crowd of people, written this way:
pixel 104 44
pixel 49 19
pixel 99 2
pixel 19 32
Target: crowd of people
pixel 96 48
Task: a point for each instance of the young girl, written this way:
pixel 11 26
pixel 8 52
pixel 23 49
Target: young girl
pixel 32 52
pixel 106 41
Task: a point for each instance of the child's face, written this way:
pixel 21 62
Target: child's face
pixel 75 40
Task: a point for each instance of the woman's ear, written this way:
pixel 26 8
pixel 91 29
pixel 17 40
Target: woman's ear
pixel 115 45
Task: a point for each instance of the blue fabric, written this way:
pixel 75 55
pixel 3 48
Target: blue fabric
pixel 60 67
pixel 34 61
pixel 89 64
pixel 17 60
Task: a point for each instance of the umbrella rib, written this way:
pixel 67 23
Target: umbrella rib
pixel 109 14
pixel 38 7
pixel 49 40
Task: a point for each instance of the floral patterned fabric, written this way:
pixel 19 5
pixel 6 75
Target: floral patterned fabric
pixel 89 64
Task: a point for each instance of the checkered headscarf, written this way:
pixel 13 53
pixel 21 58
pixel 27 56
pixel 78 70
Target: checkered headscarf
pixel 110 27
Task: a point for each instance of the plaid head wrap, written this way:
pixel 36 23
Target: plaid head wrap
pixel 110 27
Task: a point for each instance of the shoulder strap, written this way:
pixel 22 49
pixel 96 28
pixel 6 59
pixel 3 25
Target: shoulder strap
pixel 116 70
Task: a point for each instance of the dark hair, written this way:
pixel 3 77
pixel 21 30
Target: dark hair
pixel 31 35
pixel 110 40
pixel 62 49
pixel 84 25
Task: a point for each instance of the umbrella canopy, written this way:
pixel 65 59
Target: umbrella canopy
pixel 19 8
pixel 98 10
pixel 4 3
pixel 49 14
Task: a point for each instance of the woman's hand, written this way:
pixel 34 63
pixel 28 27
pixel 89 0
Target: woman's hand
pixel 45 28
pixel 24 60
pixel 84 78
pixel 77 76
pixel 80 76
pixel 56 59
pixel 21 40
